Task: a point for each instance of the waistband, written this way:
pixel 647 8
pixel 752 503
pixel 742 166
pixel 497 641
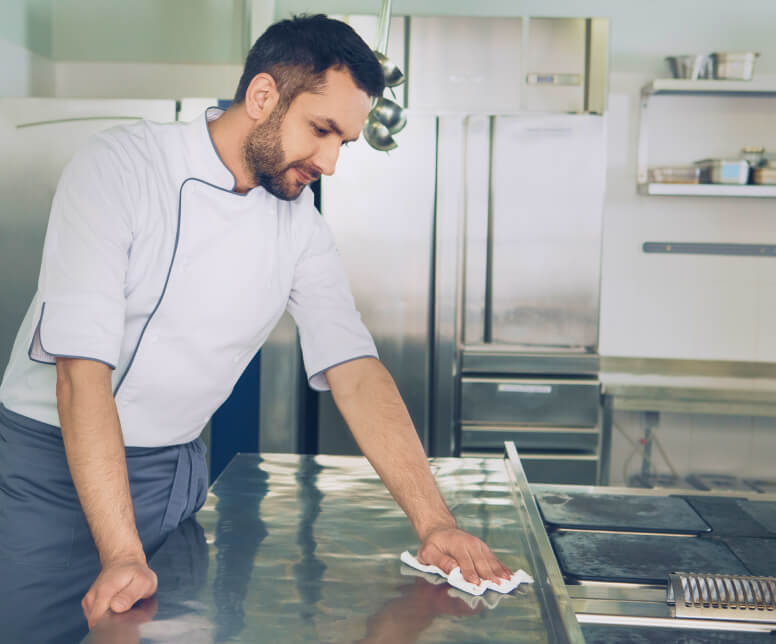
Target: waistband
pixel 36 430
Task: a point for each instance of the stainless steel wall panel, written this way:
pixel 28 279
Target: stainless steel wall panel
pixel 381 209
pixel 549 178
pixel 448 274
pixel 569 403
pixel 465 63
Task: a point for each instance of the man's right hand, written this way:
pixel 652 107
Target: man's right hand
pixel 120 584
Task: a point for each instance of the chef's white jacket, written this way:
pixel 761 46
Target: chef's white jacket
pixel 154 266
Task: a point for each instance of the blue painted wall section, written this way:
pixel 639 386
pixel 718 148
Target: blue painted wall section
pixel 235 425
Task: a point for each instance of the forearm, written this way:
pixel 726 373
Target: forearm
pixel 368 399
pixel 95 454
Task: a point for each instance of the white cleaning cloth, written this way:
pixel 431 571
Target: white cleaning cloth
pixel 490 600
pixel 455 578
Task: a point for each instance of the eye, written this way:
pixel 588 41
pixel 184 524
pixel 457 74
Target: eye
pixel 319 131
pixel 346 143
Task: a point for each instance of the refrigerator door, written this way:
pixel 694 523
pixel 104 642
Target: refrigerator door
pixel 38 136
pixel 381 209
pixel 547 194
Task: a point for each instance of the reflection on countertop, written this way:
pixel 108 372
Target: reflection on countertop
pixel 306 549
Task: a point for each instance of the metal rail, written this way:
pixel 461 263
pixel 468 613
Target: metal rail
pixel 550 588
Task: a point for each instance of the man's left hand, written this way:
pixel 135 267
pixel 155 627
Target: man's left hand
pixel 448 548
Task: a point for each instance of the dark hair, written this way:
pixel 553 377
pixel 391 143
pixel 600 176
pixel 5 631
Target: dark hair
pixel 297 52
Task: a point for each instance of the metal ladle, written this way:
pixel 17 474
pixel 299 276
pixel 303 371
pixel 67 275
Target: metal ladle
pixel 391 72
pixel 378 135
pixel 390 114
pixel 386 117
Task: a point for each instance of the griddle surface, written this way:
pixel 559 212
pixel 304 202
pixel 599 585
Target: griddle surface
pixel 630 513
pixel 606 634
pixel 728 517
pixel 638 558
pixel 764 512
pixel 759 555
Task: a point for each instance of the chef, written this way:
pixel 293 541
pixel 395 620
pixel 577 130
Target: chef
pixel 171 253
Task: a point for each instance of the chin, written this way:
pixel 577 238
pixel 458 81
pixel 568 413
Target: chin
pixel 286 192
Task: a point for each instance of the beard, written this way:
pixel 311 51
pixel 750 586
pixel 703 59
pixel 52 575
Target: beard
pixel 266 161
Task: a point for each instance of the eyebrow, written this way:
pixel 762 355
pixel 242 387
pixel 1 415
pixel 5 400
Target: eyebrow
pixel 337 130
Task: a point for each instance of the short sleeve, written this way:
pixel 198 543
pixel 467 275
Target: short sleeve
pixel 330 328
pixel 85 258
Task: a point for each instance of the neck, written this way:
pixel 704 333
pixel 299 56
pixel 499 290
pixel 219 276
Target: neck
pixel 228 133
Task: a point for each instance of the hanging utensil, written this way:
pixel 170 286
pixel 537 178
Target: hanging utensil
pixel 386 117
pixel 389 114
pixel 378 135
pixel 391 72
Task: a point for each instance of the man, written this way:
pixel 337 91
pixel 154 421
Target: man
pixel 172 251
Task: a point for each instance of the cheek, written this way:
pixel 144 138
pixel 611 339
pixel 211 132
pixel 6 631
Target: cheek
pixel 298 143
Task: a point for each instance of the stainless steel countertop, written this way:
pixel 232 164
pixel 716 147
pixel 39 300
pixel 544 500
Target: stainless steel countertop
pixel 305 549
pixel 690 386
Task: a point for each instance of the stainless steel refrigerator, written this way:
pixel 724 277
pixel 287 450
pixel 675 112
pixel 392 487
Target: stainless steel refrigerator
pixel 473 252
pixel 473 249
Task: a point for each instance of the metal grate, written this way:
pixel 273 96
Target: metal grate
pixel 730 597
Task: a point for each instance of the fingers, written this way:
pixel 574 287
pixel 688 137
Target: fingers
pixel 103 594
pixel 447 564
pixel 140 587
pixel 449 549
pixel 118 588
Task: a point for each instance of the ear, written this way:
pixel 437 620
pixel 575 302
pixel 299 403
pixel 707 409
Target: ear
pixel 261 97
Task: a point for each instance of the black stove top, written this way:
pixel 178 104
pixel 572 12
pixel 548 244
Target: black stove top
pixel 590 535
pixel 640 558
pixel 631 513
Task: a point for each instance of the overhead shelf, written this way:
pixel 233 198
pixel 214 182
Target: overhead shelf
pixel 684 86
pixel 706 190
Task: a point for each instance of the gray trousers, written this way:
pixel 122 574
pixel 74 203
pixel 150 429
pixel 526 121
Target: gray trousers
pixel 48 559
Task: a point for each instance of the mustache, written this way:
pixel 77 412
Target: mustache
pixel 312 172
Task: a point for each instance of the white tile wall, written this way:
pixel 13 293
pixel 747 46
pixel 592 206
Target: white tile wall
pixel 741 446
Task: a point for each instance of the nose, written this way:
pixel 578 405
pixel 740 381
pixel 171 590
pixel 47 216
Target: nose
pixel 328 153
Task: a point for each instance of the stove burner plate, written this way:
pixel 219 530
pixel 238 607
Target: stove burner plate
pixel 764 512
pixel 728 517
pixel 629 513
pixel 759 555
pixel 640 558
pixel 607 634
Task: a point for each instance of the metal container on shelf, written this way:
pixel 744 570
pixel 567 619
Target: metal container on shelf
pixel 765 175
pixel 755 155
pixel 690 67
pixel 733 65
pixel 723 171
pixel 676 174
